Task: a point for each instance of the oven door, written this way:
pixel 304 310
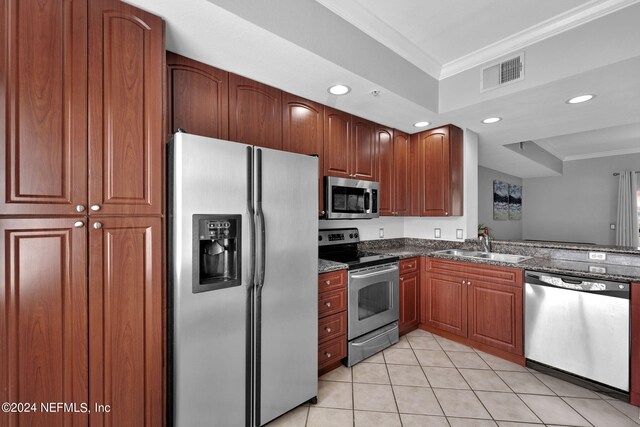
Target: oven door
pixel 374 295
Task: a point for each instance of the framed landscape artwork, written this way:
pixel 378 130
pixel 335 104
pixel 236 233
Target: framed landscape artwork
pixel 515 201
pixel 500 200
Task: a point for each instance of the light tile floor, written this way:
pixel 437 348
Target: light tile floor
pixel 426 380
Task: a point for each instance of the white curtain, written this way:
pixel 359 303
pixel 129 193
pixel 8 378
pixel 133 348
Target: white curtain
pixel 627 230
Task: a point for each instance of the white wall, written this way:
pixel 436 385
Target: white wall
pixel 503 230
pixel 578 206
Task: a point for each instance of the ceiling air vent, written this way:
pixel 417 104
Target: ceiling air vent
pixel 501 73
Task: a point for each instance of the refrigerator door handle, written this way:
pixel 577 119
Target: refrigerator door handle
pixel 252 225
pixel 261 223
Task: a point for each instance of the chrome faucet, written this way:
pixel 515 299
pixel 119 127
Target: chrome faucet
pixel 485 242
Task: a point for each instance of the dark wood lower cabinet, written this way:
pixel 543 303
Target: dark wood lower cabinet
pixel 43 318
pixel 125 325
pixel 332 320
pixel 409 295
pixel 478 305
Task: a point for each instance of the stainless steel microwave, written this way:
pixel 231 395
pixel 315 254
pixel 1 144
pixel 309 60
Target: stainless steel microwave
pixel 351 198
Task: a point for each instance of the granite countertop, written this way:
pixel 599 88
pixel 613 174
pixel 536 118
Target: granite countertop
pixel 325 266
pixel 569 246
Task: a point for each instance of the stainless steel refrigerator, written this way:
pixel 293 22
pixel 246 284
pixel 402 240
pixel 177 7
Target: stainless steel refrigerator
pixel 242 296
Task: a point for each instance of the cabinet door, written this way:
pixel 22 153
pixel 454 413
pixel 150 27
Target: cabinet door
pixel 337 143
pixel 43 317
pixel 363 145
pixel 385 172
pixel 409 301
pixel 303 132
pixel 634 392
pixel 495 315
pixel 255 113
pixel 125 324
pixel 126 136
pixel 197 98
pixel 43 106
pixel 433 172
pixel 446 300
pixel 401 173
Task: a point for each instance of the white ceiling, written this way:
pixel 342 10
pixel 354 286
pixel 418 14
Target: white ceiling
pixel 425 58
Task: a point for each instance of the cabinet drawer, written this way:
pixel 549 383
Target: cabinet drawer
pixel 332 302
pixel 332 280
pixel 408 265
pixel 475 271
pixel 332 326
pixel 332 351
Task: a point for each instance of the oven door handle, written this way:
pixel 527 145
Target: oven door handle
pixel 374 273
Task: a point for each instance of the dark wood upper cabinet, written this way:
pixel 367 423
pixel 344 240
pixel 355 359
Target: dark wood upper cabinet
pixel 255 113
pixel 439 172
pixel 385 170
pixel 126 136
pixel 197 98
pixel 401 173
pixel 43 318
pixel 303 132
pixel 125 323
pixel 363 159
pixel 337 143
pixel 43 107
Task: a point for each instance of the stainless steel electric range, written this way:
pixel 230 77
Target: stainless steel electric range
pixel 373 293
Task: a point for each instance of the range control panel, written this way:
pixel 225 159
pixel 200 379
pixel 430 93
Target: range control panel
pixel 338 236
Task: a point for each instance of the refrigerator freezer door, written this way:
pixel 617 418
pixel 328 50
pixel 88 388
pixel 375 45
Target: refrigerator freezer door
pixel 210 328
pixel 289 311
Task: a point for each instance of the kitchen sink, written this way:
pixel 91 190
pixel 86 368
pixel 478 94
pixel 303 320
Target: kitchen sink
pixel 492 256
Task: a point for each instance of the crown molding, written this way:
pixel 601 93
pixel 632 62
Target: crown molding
pixel 568 20
pixel 370 24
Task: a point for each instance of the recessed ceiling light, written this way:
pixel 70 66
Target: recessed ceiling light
pixel 339 89
pixel 421 124
pixel 490 120
pixel 579 99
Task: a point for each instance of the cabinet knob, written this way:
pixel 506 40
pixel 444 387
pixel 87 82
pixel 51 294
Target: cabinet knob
pixel 78 224
pixel 446 214
pixel 328 304
pixel 464 282
pixel 80 208
pixel 326 353
pixel 402 279
pixel 410 265
pixel 322 213
pixel 468 283
pixel 328 329
pixel 97 225
pixel 95 208
pixel 327 282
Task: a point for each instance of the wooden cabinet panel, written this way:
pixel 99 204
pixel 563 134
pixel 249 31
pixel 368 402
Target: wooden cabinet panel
pixel 303 132
pixel 363 158
pixel 332 302
pixel 197 98
pixel 408 265
pixel 43 106
pixel 332 326
pixel 125 325
pixel 447 304
pixel 409 301
pixel 401 173
pixel 43 317
pixel 331 352
pixel 332 280
pixel 337 143
pixel 634 394
pixel 255 113
pixel 126 58
pixel 495 315
pixel 386 170
pixel 439 172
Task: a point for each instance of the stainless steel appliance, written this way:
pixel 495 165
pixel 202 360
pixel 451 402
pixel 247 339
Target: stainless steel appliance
pixel 242 282
pixel 351 198
pixel 373 293
pixel 579 326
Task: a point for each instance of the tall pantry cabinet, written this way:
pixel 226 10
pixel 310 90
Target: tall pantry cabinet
pixel 81 149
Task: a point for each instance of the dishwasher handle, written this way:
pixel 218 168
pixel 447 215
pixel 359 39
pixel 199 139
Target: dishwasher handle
pixel 577 284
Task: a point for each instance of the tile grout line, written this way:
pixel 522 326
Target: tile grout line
pixel 393 392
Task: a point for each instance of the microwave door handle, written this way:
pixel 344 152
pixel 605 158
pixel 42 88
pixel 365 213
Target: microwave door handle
pixel 367 201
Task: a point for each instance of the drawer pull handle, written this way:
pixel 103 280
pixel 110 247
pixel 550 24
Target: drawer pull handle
pixel 328 304
pixel 328 329
pixel 327 282
pixel 410 265
pixel 326 353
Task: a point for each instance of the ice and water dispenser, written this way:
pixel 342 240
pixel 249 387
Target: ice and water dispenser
pixel 216 252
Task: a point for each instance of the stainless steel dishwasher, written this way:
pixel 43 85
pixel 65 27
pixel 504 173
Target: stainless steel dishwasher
pixel 578 325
